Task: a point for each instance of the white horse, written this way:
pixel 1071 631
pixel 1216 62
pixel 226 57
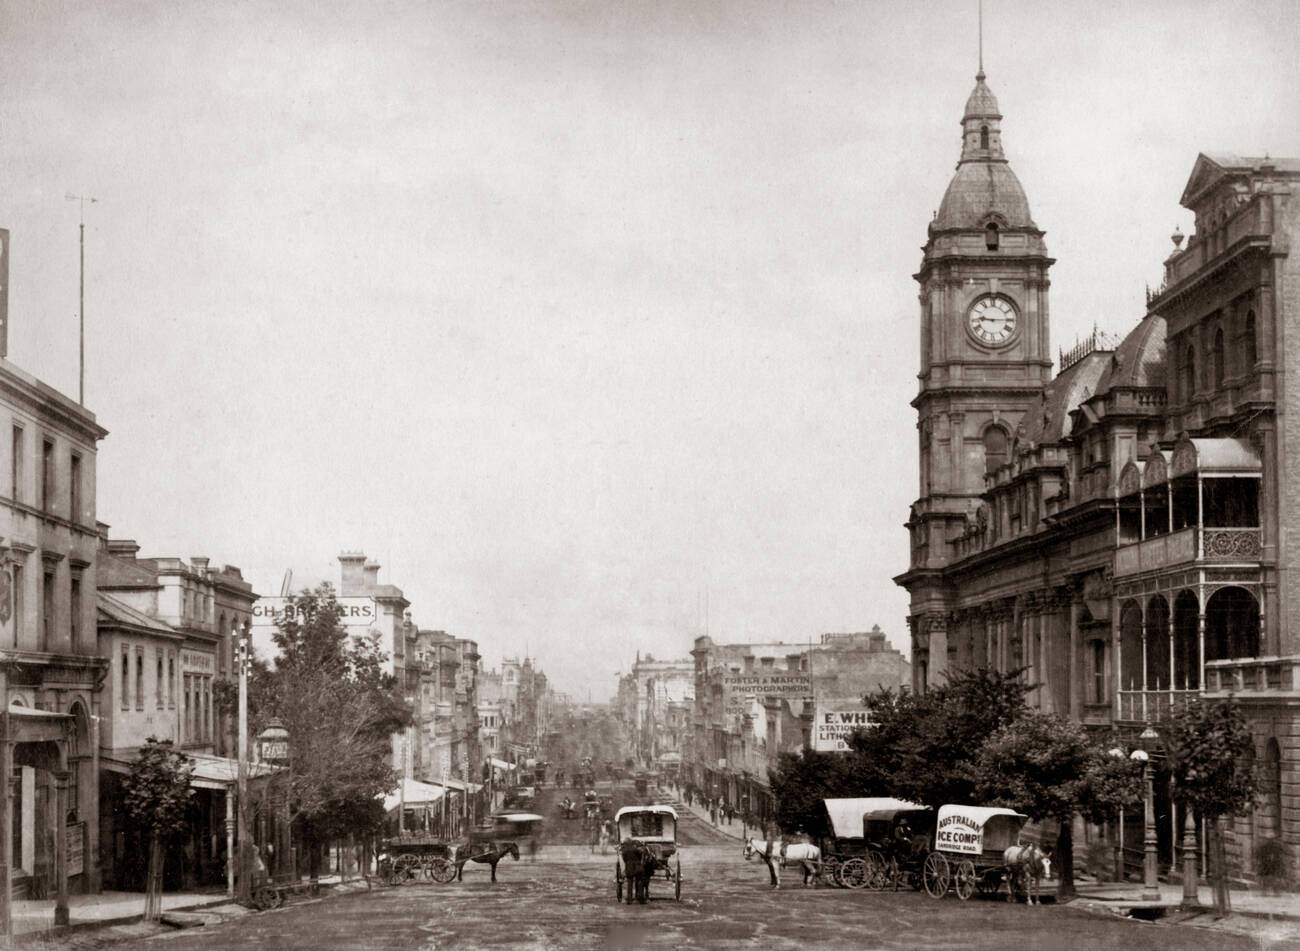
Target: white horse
pixel 805 854
pixel 1027 866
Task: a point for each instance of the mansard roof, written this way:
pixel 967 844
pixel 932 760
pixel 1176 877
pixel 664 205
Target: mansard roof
pixel 1139 360
pixel 1050 422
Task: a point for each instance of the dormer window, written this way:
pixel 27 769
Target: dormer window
pixel 991 236
pixel 984 137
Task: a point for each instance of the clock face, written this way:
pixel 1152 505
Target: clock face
pixel 992 320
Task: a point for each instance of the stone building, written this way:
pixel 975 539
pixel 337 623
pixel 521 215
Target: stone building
pixel 168 630
pixel 658 685
pixel 754 701
pixel 52 671
pixel 1118 530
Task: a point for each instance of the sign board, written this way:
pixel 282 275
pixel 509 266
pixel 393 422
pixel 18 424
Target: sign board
pixel 738 689
pixel 958 833
pixel 353 612
pixel 832 728
pixel 197 660
pixel 76 839
pixel 273 751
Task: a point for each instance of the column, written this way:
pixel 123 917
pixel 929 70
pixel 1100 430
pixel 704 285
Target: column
pixel 230 842
pixel 1073 668
pixel 1143 606
pixel 60 847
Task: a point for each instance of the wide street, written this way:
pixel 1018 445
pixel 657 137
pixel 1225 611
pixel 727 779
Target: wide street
pixel 565 899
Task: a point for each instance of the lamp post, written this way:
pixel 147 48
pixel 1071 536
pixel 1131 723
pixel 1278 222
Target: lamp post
pixel 1116 753
pixel 1150 884
pixel 273 749
pixel 1191 893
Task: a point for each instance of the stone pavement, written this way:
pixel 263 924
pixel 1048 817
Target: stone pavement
pixel 107 907
pixel 1250 904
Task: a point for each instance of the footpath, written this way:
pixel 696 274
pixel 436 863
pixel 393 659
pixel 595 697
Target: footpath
pixel 111 917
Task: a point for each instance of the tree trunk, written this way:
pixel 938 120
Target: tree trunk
pixel 153 880
pixel 313 861
pixel 1065 860
pixel 1219 865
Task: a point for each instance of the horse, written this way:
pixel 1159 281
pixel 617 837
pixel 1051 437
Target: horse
pixel 807 855
pixel 1026 866
pixel 638 868
pixel 487 853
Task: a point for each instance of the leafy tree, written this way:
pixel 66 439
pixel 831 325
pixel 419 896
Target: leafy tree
pixel 157 790
pixel 1049 768
pixel 923 746
pixel 340 707
pixel 802 780
pixel 1210 749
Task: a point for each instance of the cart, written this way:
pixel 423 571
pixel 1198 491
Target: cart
pixel 649 832
pixel 408 858
pixel 969 842
pixel 898 836
pixel 846 859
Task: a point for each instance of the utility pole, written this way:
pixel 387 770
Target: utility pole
pixel 81 360
pixel 245 854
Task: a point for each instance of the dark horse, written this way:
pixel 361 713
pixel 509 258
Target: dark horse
pixel 638 868
pixel 485 853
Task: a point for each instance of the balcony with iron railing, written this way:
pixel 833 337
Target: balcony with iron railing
pixel 1189 546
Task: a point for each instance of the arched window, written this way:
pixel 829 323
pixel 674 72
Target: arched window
pixel 1250 351
pixel 995 448
pixel 1217 359
pixel 1231 624
pixel 984 137
pixel 1189 374
pixel 991 236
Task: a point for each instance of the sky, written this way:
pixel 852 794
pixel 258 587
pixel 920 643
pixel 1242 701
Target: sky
pixel 572 315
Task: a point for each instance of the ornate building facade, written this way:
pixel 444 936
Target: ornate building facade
pixel 1121 530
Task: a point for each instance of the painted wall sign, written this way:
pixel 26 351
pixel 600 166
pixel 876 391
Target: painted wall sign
pixel 739 688
pixel 833 727
pixel 958 833
pixel 353 612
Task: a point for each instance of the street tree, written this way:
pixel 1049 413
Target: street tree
pixel 1210 755
pixel 340 707
pixel 1049 768
pixel 802 780
pixel 923 747
pixel 156 794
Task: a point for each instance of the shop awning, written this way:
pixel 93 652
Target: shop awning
pixel 501 764
pixel 210 772
pixel 417 794
pixel 459 785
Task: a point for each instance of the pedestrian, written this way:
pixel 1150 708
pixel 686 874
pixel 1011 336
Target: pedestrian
pixel 713 811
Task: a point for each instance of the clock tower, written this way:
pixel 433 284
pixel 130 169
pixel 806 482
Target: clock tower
pixel 984 336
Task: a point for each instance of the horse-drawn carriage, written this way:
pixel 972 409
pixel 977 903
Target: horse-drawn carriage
pixel 970 851
pixel 898 835
pixel 413 856
pixel 647 845
pixel 846 857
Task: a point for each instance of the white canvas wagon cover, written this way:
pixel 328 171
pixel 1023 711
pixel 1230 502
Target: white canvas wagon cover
pixel 646 823
pixel 846 814
pixel 972 829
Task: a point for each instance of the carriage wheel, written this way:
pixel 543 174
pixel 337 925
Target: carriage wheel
pixel 405 868
pixel 877 872
pixel 442 871
pixel 936 875
pixel 965 880
pixel 267 898
pixel 831 870
pixel 677 879
pixel 618 880
pixel 853 873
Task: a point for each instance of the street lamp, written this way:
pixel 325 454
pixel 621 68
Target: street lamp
pixel 1117 753
pixel 1150 885
pixel 273 749
pixel 245 853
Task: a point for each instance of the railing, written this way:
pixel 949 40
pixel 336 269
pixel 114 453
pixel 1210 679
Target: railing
pixel 1152 706
pixel 1181 547
pixel 1253 674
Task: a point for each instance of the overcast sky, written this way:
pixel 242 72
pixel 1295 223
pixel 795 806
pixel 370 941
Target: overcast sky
pixel 568 312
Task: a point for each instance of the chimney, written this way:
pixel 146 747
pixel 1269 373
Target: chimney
pixel 351 579
pixel 123 548
pixel 372 573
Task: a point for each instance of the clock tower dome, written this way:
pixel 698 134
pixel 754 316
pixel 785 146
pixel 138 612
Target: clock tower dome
pixel 984 333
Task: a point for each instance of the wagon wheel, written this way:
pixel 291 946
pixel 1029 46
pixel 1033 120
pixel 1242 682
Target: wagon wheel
pixel 266 898
pixel 853 873
pixel 441 871
pixel 831 870
pixel 405 868
pixel 936 875
pixel 878 876
pixel 618 880
pixel 677 881
pixel 965 880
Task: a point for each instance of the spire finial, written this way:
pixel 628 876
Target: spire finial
pixel 980 74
